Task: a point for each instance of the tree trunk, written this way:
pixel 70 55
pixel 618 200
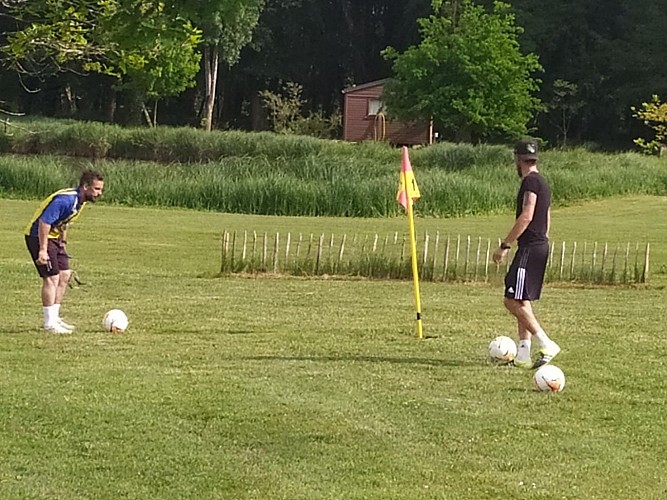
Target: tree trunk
pixel 69 101
pixel 108 98
pixel 147 115
pixel 210 59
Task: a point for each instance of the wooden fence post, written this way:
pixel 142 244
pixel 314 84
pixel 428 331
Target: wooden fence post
pixel 446 259
pixel 603 264
pixel 341 251
pixel 254 250
pixel 276 248
pixel 479 248
pixel 562 260
pixel 435 255
pixel 646 265
pixel 233 249
pixel 486 264
pixel 223 252
pixel 319 254
pixel 456 262
pixel 612 276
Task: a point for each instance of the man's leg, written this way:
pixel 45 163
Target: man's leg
pixel 529 327
pixel 517 309
pixel 52 293
pixel 49 293
pixel 523 358
pixel 63 282
pixel 50 274
pixel 523 312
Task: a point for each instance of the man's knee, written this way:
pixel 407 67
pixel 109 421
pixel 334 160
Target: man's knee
pixel 51 281
pixel 64 276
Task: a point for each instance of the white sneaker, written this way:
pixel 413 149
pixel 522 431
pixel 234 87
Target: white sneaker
pixel 56 328
pixel 547 353
pixel 66 326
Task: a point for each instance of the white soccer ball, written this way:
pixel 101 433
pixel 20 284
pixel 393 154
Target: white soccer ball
pixel 549 378
pixel 115 321
pixel 502 349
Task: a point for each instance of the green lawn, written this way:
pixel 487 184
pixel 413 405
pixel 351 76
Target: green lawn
pixel 275 388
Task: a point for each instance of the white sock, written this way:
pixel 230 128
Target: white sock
pixel 50 315
pixel 57 310
pixel 542 337
pixel 524 350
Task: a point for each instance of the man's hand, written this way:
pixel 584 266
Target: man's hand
pixel 500 255
pixel 42 258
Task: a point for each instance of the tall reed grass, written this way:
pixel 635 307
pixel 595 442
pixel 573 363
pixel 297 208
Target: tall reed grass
pixel 265 173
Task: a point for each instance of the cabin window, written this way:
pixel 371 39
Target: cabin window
pixel 375 106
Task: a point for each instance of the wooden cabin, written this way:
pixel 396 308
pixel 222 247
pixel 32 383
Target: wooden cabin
pixel 364 119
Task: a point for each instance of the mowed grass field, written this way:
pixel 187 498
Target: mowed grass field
pixel 283 388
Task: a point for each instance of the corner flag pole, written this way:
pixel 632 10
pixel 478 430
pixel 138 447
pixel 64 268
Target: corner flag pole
pixel 408 191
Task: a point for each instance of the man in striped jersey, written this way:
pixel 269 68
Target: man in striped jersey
pixel 524 279
pixel 46 239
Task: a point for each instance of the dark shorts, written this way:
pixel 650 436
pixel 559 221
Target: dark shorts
pixel 525 276
pixel 58 258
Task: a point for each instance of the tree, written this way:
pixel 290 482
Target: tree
pixel 169 61
pixel 611 50
pixel 227 26
pixel 286 114
pixel 564 106
pixel 141 43
pixel 468 73
pixel 654 115
pixel 323 46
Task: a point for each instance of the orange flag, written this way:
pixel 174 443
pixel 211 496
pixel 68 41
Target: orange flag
pixel 407 185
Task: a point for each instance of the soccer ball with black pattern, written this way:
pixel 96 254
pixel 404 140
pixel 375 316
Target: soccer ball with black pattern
pixel 115 321
pixel 549 378
pixel 502 350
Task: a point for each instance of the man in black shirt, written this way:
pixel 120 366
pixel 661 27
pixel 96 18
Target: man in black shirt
pixel 524 279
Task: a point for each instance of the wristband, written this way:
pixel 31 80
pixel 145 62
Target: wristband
pixel 505 246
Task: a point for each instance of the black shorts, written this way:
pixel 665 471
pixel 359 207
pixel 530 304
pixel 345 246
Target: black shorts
pixel 525 276
pixel 58 258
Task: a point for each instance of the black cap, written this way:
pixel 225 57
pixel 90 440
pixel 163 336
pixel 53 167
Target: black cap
pixel 526 149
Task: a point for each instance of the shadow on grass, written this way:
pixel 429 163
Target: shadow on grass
pixel 23 330
pixel 364 359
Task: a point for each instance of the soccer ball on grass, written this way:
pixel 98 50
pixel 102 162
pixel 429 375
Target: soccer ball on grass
pixel 549 378
pixel 115 321
pixel 502 349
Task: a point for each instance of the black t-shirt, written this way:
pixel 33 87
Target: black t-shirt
pixel 536 232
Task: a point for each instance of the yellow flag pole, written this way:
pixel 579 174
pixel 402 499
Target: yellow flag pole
pixel 413 252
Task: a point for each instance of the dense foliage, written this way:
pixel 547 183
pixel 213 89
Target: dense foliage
pixel 654 115
pixel 140 45
pixel 467 74
pixel 606 56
